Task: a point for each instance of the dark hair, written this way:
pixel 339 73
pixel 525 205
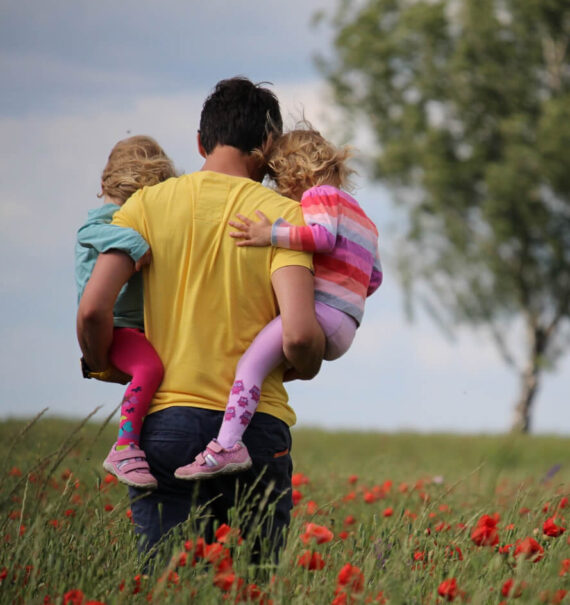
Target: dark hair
pixel 241 114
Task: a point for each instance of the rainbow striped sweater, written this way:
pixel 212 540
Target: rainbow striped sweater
pixel 345 246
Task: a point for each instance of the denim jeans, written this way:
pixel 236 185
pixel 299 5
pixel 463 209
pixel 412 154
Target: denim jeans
pixel 173 437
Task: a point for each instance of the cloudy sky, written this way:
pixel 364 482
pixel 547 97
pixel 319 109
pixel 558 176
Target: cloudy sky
pixel 78 76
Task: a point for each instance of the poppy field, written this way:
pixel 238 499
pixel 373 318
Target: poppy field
pixel 395 519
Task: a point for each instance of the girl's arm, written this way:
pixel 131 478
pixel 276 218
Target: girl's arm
pixel 319 235
pixel 104 237
pixel 376 277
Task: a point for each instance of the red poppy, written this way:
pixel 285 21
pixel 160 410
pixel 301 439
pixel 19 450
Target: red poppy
pixel 73 597
pixel 350 496
pixel 453 551
pixel 353 479
pixel 510 589
pixel 565 567
pixel 563 502
pixel 349 520
pixel 311 560
pixel 388 512
pixel 225 533
pixel 297 496
pixel 299 479
pixel 15 472
pixel 448 589
pixel 549 528
pixel 319 533
pixel 485 532
pixel 530 548
pixel 350 578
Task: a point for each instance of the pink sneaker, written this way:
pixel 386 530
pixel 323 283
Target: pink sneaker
pixel 130 467
pixel 215 460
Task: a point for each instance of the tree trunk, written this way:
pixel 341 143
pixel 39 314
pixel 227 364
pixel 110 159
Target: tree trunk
pixel 538 340
pixel 529 387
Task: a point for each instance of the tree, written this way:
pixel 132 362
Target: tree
pixel 469 105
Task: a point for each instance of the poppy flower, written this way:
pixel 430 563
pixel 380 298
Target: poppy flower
pixel 319 533
pixel 350 578
pixel 510 589
pixel 448 589
pixel 388 512
pixel 564 568
pixel 297 496
pixel 485 533
pixel 73 597
pixel 299 479
pixel 225 533
pixel 549 528
pixel 530 548
pixel 311 560
pixel 353 479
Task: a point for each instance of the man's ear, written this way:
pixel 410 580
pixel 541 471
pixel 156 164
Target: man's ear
pixel 201 149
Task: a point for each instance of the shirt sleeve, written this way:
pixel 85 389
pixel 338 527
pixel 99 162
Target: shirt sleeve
pixel 103 237
pixel 131 214
pixel 377 275
pixel 283 257
pixel 320 232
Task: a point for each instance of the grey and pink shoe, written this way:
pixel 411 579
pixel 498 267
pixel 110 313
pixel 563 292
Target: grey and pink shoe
pixel 130 467
pixel 216 460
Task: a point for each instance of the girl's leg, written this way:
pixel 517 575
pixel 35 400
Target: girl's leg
pixel 263 355
pixel 339 329
pixel 133 354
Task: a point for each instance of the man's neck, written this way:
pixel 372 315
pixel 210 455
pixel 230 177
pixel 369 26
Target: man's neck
pixel 233 162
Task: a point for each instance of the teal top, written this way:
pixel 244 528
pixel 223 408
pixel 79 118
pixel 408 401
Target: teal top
pixel 97 235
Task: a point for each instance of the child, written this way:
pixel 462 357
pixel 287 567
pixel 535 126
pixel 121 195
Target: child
pixel 307 168
pixel 134 163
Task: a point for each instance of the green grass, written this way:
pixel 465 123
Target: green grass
pixel 397 506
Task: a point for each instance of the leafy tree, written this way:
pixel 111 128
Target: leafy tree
pixel 469 105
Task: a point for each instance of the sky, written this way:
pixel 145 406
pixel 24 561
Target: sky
pixel 79 76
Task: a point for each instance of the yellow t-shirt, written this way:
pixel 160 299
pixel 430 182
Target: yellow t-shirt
pixel 205 299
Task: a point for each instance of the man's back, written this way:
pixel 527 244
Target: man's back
pixel 205 298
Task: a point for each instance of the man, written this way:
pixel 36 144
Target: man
pixel 205 300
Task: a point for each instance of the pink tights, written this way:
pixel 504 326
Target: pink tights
pixel 263 355
pixel 133 354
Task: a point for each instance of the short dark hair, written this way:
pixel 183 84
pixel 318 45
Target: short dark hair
pixel 241 114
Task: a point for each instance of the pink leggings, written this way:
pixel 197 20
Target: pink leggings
pixel 133 354
pixel 264 354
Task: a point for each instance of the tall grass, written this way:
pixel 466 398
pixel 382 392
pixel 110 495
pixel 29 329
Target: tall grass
pixel 377 517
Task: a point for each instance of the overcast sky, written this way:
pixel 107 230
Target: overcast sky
pixel 76 77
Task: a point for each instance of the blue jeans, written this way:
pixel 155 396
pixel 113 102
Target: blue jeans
pixel 173 437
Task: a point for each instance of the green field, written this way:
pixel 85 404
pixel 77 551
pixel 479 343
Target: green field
pixel 379 518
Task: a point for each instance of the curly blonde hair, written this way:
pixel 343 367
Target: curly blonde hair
pixel 134 163
pixel 302 158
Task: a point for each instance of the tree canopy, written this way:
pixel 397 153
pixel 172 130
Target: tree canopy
pixel 469 105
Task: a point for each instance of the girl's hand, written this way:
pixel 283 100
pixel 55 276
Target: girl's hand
pixel 251 233
pixel 145 259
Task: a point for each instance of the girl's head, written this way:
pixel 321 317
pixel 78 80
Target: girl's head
pixel 134 163
pixel 302 158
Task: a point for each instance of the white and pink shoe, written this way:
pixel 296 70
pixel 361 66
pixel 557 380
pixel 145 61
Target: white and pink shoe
pixel 216 460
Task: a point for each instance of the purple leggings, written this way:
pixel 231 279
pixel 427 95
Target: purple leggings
pixel 264 354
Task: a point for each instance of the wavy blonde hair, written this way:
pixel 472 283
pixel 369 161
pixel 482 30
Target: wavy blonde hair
pixel 134 163
pixel 302 158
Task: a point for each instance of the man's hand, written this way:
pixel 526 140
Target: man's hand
pixel 145 259
pixel 251 233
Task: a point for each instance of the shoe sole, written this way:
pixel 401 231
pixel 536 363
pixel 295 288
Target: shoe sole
pixel 233 467
pixel 110 469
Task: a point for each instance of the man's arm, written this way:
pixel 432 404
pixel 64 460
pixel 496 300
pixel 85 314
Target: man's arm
pixel 303 338
pixel 95 314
